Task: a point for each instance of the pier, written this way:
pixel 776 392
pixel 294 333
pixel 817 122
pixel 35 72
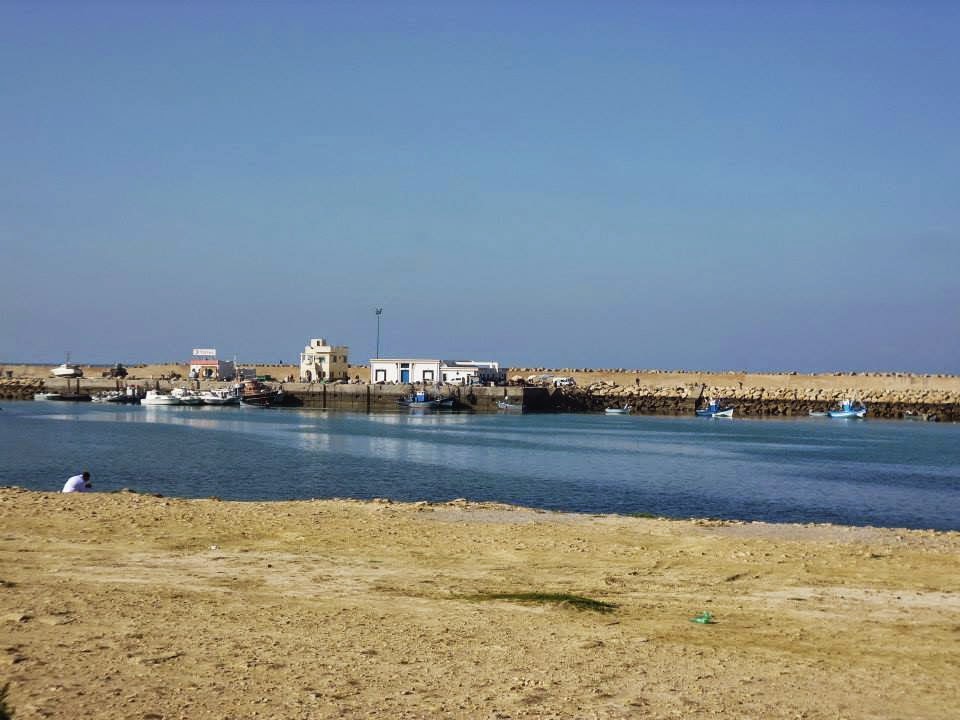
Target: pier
pixel 667 398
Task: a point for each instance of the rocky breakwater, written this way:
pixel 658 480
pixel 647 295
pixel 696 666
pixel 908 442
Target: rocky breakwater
pixel 20 388
pixel 681 399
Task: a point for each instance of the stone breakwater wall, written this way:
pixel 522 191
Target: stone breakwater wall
pixel 20 388
pixel 929 404
pixel 887 395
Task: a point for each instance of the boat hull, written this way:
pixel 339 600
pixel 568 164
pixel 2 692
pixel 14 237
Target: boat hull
pixel 262 400
pixel 220 401
pixel 725 413
pixel 847 414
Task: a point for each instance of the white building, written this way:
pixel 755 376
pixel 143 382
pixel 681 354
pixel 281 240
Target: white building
pixel 404 370
pixel 470 372
pixel 420 370
pixel 321 361
pixel 204 365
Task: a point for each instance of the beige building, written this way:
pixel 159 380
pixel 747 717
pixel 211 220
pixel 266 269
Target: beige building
pixel 320 361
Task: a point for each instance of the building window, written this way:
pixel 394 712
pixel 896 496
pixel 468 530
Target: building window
pixel 380 376
pixel 428 375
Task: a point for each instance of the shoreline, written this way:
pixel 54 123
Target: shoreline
pixel 343 608
pixel 494 505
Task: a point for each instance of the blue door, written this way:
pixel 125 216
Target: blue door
pixel 404 376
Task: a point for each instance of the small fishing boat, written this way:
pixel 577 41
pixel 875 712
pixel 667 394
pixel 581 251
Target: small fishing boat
pixel 506 405
pixel 113 396
pixel 814 413
pixel 715 409
pixel 849 410
pixel 220 396
pixel 257 394
pixel 625 410
pixel 44 396
pixel 419 401
pixel 155 397
pixel 187 396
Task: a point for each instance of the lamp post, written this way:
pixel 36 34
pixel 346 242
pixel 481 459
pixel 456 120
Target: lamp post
pixel 379 312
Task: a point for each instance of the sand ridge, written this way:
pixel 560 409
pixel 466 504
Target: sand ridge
pixel 131 606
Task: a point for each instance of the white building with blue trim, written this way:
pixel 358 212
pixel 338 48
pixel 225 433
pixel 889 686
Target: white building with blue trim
pixel 428 370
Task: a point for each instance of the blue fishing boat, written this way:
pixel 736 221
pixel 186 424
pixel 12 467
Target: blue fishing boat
pixel 850 410
pixel 419 400
pixel 716 409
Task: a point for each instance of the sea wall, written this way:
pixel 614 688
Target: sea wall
pixel 887 395
pixel 366 397
pixel 935 405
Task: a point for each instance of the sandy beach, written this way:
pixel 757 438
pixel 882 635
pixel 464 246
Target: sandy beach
pixel 131 606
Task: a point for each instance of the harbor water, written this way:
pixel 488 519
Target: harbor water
pixel 883 473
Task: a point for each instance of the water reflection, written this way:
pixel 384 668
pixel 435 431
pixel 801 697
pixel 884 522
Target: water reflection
pixel 879 473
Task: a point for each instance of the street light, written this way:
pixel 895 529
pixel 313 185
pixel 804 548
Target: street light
pixel 379 312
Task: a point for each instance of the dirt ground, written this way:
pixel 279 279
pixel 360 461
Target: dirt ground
pixel 131 606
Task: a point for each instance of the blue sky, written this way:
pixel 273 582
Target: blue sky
pixel 700 185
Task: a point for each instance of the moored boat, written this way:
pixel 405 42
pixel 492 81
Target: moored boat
pixel 43 396
pixel 108 396
pixel 155 397
pixel 419 401
pixel 625 410
pixel 257 394
pixel 506 405
pixel 849 410
pixel 219 396
pixel 715 409
pixel 187 396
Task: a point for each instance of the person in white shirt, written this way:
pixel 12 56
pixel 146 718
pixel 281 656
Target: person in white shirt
pixel 79 483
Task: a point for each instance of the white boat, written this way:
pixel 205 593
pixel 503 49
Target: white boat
pixel 505 405
pixel 66 370
pixel 107 396
pixel 155 397
pixel 849 410
pixel 625 410
pixel 41 396
pixel 187 396
pixel 219 397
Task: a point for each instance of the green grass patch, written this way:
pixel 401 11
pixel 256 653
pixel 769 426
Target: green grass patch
pixel 577 602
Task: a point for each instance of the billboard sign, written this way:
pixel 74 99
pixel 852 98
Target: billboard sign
pixel 204 352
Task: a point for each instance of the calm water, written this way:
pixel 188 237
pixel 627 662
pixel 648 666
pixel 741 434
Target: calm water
pixel 804 470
